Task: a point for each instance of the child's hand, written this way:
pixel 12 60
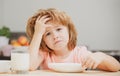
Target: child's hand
pixel 93 60
pixel 40 24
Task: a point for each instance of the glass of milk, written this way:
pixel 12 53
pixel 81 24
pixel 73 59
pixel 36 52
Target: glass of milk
pixel 20 60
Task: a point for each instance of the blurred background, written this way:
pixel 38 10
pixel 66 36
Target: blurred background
pixel 97 21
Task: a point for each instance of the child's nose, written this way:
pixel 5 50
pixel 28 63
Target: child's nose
pixel 55 35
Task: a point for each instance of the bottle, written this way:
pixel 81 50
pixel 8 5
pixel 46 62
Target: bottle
pixel 20 60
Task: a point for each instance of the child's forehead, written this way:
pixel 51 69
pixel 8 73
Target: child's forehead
pixel 53 26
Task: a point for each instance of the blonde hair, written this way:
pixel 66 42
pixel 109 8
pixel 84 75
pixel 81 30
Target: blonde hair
pixel 58 17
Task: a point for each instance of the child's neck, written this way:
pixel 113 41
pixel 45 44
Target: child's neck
pixel 62 54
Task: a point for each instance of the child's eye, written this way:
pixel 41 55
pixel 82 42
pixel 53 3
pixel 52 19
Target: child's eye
pixel 48 34
pixel 58 29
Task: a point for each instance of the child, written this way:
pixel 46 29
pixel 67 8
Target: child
pixel 53 39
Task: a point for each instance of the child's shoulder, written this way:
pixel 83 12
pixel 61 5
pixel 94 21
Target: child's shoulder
pixel 80 48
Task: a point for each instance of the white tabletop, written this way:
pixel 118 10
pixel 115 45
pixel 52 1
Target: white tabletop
pixel 52 73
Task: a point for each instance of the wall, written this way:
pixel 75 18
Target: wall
pixel 97 21
pixel 1 13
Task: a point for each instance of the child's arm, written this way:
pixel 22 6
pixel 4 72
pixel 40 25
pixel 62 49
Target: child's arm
pixel 108 63
pixel 101 61
pixel 35 58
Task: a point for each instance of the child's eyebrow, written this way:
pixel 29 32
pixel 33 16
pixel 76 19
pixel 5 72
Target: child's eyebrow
pixel 55 26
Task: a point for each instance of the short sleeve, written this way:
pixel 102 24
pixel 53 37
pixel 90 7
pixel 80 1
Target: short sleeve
pixel 83 52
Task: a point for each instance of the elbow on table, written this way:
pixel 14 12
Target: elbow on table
pixel 115 69
pixel 110 68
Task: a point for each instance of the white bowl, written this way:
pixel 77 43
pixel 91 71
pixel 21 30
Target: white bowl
pixel 66 67
pixel 4 66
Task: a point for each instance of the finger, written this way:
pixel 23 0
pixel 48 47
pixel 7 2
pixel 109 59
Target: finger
pixel 90 65
pixel 88 62
pixel 46 20
pixel 95 65
pixel 44 17
pixel 38 18
pixel 84 68
pixel 84 61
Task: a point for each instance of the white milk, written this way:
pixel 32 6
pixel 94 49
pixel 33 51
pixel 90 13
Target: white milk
pixel 20 60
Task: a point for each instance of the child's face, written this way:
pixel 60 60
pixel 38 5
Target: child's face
pixel 56 37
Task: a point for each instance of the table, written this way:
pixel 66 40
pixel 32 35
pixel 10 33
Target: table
pixel 53 73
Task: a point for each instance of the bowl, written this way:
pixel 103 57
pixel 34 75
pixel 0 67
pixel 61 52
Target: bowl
pixel 4 66
pixel 65 67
